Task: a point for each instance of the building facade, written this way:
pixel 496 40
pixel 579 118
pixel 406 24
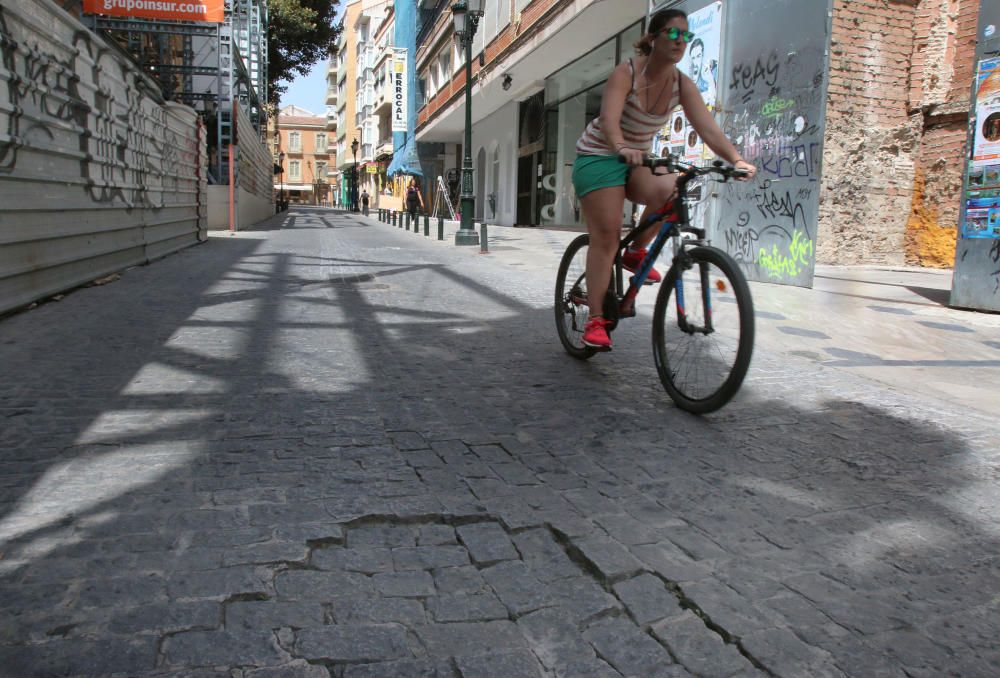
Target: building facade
pixel 347 70
pixel 309 156
pixel 896 112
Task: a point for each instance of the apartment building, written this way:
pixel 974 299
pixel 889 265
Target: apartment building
pixel 347 70
pixel 303 138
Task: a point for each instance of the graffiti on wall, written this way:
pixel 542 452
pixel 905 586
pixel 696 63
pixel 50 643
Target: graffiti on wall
pixel 84 96
pixel 772 108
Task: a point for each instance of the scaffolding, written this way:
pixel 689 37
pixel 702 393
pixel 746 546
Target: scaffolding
pixel 206 66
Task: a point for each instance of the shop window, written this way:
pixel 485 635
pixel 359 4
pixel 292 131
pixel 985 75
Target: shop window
pixel 585 72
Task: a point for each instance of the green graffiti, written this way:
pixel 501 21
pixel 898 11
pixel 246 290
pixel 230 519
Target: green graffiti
pixel 779 265
pixel 775 106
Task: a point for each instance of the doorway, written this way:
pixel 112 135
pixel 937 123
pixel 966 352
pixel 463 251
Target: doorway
pixel 531 148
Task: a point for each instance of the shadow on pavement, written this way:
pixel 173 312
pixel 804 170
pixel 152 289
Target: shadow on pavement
pixel 195 437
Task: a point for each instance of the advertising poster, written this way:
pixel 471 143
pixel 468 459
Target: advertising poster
pixel 982 200
pixel 212 11
pixel 701 60
pixel 678 129
pixel 399 123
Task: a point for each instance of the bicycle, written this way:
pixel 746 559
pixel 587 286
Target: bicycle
pixel 702 352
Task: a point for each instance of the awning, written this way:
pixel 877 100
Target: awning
pixel 293 187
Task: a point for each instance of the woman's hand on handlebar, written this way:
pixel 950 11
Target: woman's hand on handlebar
pixel 631 156
pixel 744 166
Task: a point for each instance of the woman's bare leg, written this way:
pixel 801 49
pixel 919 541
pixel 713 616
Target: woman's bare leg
pixel 652 191
pixel 602 210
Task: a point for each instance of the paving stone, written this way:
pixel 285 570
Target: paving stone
pixel 271 552
pixel 701 650
pixel 353 643
pixel 134 590
pixel 408 440
pixel 627 649
pixel 519 590
pixel 670 562
pixel 555 637
pixel 466 608
pixel 582 598
pixel 444 640
pixel 364 560
pixel 647 599
pixel 379 611
pixel 413 584
pixel 586 668
pixel 459 580
pixel 310 585
pixel 223 648
pixel 381 535
pixel 499 665
pixel 487 543
pixel 611 559
pixel 781 647
pixel 436 535
pixel 294 669
pixel 429 557
pixel 267 614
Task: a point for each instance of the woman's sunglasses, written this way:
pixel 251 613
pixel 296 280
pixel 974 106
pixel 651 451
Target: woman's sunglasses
pixel 673 33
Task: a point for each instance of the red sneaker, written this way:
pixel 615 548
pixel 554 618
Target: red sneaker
pixel 632 261
pixel 595 334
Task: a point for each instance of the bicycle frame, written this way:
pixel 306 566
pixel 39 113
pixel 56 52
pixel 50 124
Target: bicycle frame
pixel 674 215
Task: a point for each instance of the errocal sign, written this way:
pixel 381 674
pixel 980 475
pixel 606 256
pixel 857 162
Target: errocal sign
pixel 399 91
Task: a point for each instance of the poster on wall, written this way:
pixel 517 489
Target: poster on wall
pixel 982 200
pixel 205 10
pixel 701 60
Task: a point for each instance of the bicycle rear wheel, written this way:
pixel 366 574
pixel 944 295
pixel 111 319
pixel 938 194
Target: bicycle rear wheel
pixel 703 331
pixel 571 299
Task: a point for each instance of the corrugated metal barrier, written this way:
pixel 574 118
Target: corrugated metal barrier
pixel 97 172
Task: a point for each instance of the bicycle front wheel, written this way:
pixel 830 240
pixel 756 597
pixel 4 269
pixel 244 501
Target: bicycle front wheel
pixel 571 299
pixel 703 330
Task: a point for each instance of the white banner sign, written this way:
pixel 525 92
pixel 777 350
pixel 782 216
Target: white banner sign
pixel 399 122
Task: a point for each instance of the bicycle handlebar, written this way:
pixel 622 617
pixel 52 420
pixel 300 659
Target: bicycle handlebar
pixel 673 164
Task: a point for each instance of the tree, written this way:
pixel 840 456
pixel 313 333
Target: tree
pixel 300 33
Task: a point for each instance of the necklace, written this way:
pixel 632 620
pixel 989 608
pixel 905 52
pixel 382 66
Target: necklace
pixel 649 84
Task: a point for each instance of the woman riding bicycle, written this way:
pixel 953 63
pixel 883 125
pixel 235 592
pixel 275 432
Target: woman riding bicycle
pixel 638 100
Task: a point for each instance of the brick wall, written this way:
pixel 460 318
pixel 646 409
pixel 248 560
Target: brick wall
pixel 900 74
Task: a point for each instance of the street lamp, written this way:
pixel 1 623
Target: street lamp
pixel 281 164
pixel 466 14
pixel 354 177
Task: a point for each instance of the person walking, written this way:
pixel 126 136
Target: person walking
pixel 364 201
pixel 413 199
pixel 638 101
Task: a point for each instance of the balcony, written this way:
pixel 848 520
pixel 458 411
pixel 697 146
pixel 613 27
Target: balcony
pixel 384 148
pixel 331 96
pixel 429 13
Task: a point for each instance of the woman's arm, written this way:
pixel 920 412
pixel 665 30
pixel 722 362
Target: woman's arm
pixel 613 103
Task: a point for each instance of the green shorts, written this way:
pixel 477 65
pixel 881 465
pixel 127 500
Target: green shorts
pixel 591 172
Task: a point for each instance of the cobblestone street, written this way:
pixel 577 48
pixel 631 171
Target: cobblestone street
pixel 330 447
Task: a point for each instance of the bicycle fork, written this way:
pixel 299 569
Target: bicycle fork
pixel 706 299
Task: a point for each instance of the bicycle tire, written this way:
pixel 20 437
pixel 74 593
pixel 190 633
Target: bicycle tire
pixel 571 315
pixel 729 286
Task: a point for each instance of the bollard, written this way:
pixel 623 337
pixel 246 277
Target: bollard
pixel 407 221
pixel 427 225
pixel 440 228
pixel 484 247
pixel 394 217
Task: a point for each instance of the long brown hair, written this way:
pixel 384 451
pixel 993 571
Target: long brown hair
pixel 645 44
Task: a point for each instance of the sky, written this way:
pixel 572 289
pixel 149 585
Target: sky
pixel 309 91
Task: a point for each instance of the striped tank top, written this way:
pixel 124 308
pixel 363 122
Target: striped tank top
pixel 638 127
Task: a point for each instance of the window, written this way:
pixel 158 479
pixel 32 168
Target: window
pixel 321 142
pixel 444 65
pixel 320 170
pixel 295 169
pixel 295 142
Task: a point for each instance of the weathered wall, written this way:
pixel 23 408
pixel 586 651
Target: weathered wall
pixel 900 75
pixel 97 173
pixel 255 190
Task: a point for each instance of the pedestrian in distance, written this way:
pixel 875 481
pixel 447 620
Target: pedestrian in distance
pixel 413 199
pixel 364 201
pixel 639 99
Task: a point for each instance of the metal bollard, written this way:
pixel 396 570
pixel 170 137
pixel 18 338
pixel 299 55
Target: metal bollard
pixel 407 221
pixel 394 217
pixel 440 228
pixel 427 225
pixel 484 247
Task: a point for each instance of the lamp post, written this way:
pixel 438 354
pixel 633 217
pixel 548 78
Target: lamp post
pixel 354 177
pixel 466 15
pixel 281 163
